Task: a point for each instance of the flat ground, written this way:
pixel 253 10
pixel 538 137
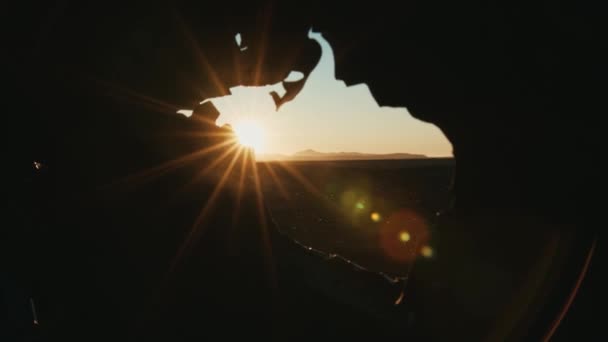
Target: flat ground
pixel 353 207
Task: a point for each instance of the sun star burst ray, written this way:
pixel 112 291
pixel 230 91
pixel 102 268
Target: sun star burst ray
pixel 277 181
pixel 267 246
pixel 197 228
pixel 153 172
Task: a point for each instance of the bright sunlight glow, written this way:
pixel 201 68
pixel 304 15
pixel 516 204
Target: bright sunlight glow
pixel 250 134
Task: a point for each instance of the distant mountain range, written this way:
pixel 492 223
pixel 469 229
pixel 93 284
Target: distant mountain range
pixel 315 155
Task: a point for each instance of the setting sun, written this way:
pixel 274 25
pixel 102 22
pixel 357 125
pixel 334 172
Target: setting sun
pixel 250 134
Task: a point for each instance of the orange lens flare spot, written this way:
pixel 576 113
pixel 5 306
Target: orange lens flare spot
pixel 427 252
pixel 404 236
pixel 376 217
pixel 401 234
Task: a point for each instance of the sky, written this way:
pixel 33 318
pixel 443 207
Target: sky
pixel 327 116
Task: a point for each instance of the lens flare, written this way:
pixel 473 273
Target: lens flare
pixel 375 216
pixel 427 251
pixel 401 235
pixel 404 236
